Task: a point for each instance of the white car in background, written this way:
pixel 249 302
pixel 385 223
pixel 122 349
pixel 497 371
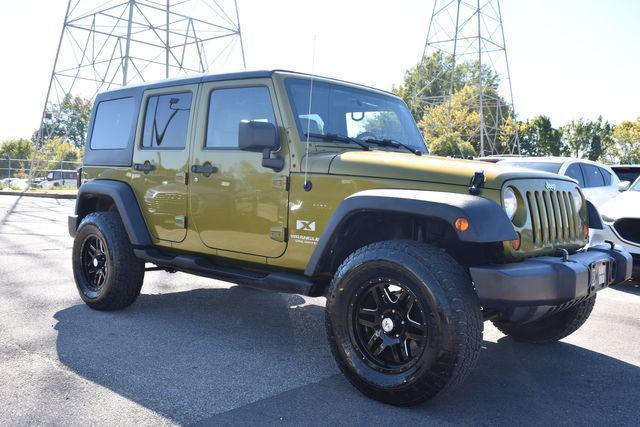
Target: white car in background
pixel 59 178
pixel 598 182
pixel 621 221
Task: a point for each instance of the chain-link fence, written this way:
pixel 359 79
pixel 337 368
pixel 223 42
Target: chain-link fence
pixel 14 173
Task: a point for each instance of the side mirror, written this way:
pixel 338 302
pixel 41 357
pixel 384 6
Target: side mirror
pixel 260 137
pixel 623 185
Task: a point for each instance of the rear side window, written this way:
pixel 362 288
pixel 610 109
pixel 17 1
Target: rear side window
pixel 166 121
pixel 606 175
pixel 574 171
pixel 592 175
pixel 228 107
pixel 112 124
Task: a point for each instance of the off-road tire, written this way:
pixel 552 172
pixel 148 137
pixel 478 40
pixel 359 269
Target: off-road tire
pixel 455 322
pixel 125 273
pixel 552 328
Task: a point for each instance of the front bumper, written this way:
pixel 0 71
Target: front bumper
pixel 549 281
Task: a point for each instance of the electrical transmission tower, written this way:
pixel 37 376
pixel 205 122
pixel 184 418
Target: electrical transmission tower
pixel 110 43
pixel 470 33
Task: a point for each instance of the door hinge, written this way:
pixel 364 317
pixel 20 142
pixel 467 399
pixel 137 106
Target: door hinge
pixel 280 181
pixel 182 177
pixel 181 220
pixel 279 234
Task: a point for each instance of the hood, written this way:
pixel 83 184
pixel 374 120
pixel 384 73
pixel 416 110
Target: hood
pixel 407 166
pixel 624 205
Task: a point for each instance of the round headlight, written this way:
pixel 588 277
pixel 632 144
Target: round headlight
pixel 577 200
pixel 510 202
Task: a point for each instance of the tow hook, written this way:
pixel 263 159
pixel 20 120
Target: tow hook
pixel 565 255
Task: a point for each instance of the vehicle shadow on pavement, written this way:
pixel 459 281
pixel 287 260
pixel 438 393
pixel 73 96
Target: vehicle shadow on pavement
pixel 237 355
pixel 189 355
pixel 513 384
pixel 629 287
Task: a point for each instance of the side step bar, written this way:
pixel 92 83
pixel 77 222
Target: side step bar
pixel 201 266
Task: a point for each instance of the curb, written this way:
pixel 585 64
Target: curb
pixel 46 195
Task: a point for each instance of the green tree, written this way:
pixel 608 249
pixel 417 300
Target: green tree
pixel 626 136
pixel 427 82
pixel 451 144
pixel 16 149
pixel 69 120
pixel 424 89
pixel 589 139
pixel 464 121
pixel 539 138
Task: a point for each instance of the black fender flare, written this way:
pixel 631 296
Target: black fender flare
pixel 593 216
pixel 125 202
pixel 487 221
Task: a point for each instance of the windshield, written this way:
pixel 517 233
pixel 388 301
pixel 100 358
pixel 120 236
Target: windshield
pixel 541 166
pixel 350 112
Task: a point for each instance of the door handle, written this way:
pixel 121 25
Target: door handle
pixel 145 167
pixel 206 169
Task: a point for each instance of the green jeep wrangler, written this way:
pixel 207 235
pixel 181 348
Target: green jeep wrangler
pixel 297 183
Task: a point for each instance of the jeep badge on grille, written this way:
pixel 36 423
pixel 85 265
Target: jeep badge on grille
pixel 549 186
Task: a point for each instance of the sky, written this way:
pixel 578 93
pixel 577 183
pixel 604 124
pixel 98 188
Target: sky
pixel 568 58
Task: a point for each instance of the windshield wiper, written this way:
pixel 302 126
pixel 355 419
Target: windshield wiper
pixel 395 144
pixel 338 138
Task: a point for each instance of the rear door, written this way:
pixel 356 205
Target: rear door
pixel 160 160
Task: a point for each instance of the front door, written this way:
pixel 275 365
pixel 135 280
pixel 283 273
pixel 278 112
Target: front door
pixel 160 160
pixel 236 203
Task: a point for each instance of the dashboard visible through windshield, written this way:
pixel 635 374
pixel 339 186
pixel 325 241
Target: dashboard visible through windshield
pixel 351 113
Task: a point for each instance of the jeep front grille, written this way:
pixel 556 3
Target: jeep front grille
pixel 554 217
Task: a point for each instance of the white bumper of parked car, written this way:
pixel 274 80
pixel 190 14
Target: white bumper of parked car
pixel 608 233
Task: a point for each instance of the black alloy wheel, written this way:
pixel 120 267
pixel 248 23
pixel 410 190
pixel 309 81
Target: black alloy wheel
pixel 389 325
pixel 108 275
pixel 403 321
pixel 94 265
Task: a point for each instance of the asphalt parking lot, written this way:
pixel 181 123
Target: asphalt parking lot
pixel 194 350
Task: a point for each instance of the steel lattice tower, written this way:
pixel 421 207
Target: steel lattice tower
pixel 467 31
pixel 108 43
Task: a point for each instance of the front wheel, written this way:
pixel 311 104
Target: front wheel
pixel 551 328
pixel 403 321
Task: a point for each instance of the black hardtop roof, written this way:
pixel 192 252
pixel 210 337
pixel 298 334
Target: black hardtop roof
pixel 179 81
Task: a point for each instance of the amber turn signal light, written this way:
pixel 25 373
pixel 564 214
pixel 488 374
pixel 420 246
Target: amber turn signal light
pixel 585 230
pixel 515 244
pixel 461 224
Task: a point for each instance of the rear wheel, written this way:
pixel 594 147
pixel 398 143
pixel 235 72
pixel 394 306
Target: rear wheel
pixel 551 328
pixel 403 321
pixel 107 273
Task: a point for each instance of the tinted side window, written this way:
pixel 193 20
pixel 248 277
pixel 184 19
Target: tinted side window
pixel 574 171
pixel 166 121
pixel 228 107
pixel 112 124
pixel 606 175
pixel 592 176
